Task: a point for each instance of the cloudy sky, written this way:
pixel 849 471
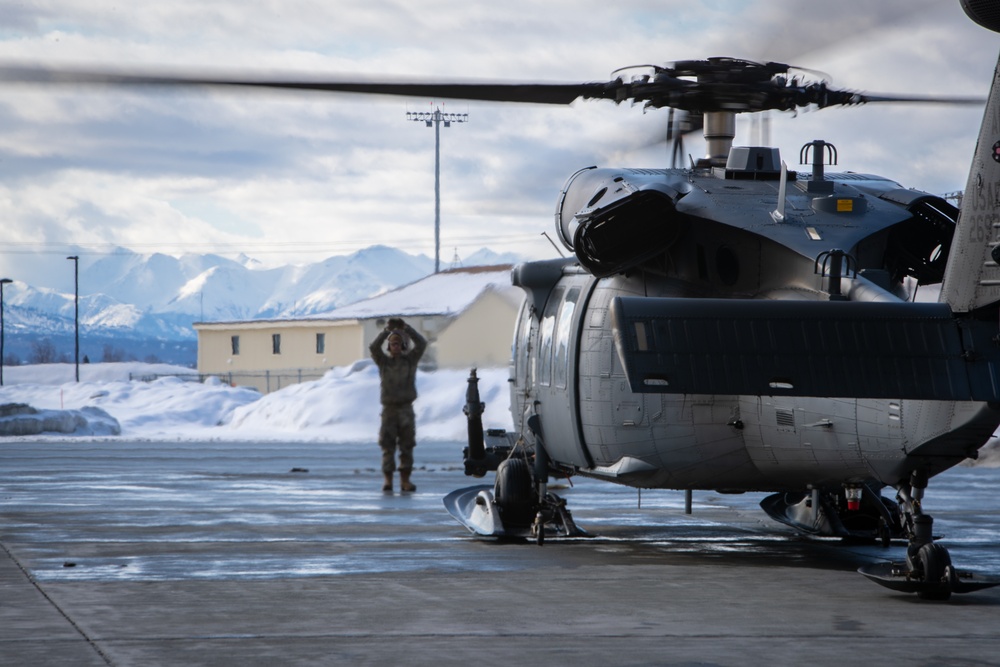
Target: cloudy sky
pixel 296 177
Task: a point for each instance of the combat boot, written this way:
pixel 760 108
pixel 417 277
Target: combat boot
pixel 404 481
pixel 387 486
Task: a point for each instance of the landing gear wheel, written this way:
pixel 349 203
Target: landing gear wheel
pixel 513 492
pixel 927 571
pixel 935 562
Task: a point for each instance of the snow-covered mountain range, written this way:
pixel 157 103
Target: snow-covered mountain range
pixel 136 306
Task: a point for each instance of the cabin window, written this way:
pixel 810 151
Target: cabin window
pixel 321 343
pixel 275 343
pixel 564 330
pixel 519 347
pixel 234 341
pixel 547 330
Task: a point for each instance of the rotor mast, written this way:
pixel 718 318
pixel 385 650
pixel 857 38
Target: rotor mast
pixel 720 131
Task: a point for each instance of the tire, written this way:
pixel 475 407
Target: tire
pixel 935 561
pixel 513 492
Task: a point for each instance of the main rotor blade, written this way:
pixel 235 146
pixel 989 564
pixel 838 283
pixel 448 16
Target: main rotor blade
pixel 663 90
pixel 536 93
pixel 864 98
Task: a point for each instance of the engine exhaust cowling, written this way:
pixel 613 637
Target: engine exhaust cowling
pixel 615 219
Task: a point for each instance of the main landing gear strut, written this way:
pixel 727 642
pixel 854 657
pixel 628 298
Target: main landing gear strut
pixel 519 505
pixel 928 570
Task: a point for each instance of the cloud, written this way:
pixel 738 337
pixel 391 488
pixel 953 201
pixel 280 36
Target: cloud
pixel 299 174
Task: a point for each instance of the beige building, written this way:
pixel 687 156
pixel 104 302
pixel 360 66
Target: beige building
pixel 467 316
pixel 482 334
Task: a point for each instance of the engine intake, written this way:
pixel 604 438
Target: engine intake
pixel 616 219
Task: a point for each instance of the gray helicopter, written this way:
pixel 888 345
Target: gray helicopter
pixel 734 325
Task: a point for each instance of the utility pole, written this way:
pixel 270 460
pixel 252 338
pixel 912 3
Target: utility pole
pixel 76 310
pixel 434 119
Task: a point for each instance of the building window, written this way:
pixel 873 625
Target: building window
pixel 321 343
pixel 275 343
pixel 235 342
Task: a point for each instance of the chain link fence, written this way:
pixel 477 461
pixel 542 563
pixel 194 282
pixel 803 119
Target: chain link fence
pixel 263 381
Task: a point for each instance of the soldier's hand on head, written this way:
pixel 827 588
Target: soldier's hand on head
pixel 395 323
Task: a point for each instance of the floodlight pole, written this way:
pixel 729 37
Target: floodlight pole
pixel 434 119
pixel 76 310
pixel 3 281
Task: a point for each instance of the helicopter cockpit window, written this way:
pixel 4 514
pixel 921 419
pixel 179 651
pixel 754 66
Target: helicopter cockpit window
pixel 520 344
pixel 560 364
pixel 546 332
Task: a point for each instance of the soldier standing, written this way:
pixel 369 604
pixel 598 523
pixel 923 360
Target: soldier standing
pixel 398 373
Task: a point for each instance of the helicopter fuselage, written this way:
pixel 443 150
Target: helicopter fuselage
pixel 750 233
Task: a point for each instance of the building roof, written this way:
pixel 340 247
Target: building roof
pixel 446 293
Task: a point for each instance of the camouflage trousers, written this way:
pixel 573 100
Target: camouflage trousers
pixel 398 430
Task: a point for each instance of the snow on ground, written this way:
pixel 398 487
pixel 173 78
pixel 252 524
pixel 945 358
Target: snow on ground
pixel 343 406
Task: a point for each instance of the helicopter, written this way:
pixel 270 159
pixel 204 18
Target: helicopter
pixel 738 327
pixel 733 325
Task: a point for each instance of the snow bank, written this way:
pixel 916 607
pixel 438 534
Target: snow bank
pixel 21 419
pixel 343 406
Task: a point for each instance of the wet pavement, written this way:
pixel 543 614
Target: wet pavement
pixel 227 553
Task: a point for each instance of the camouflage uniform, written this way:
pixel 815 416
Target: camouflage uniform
pixel 399 390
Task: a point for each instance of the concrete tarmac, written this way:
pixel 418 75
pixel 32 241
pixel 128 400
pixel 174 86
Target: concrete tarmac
pixel 226 553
